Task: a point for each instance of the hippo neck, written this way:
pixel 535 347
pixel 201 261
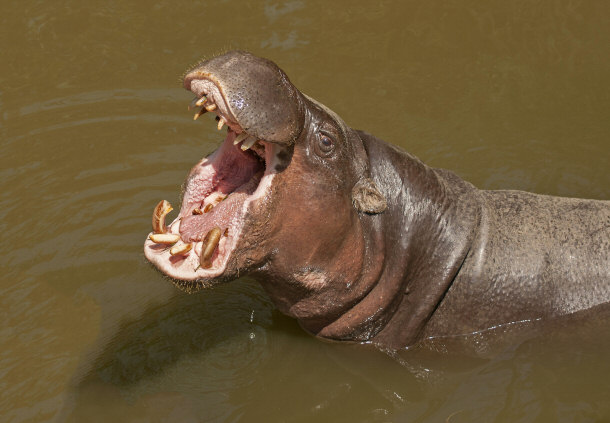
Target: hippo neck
pixel 426 232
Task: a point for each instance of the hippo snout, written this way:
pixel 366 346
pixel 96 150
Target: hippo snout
pixel 252 93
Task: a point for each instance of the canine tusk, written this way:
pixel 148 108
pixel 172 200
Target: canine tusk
pixel 210 242
pixel 158 217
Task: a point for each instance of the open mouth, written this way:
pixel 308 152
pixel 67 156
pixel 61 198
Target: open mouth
pixel 218 195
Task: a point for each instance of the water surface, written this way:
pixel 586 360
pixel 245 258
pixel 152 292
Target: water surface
pixel 94 132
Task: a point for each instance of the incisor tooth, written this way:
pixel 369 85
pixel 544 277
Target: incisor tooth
pixel 210 242
pixel 240 138
pixel 180 249
pixel 210 107
pixel 201 101
pixel 158 217
pixel 164 238
pixel 248 143
pixel 221 123
pixel 199 113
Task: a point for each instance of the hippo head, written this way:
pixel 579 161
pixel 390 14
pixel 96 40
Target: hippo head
pixel 284 197
pixel 355 238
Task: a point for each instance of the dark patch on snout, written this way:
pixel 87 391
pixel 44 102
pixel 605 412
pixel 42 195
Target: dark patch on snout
pixel 284 157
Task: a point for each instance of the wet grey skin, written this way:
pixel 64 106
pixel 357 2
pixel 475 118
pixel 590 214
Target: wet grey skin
pixel 360 241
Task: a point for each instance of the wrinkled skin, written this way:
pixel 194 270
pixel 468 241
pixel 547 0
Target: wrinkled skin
pixel 360 241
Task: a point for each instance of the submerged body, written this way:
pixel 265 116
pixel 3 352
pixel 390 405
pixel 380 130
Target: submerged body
pixel 359 240
pixel 521 256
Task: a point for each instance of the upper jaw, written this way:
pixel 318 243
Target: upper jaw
pixel 252 93
pixel 210 97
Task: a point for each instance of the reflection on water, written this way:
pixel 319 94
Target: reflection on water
pixel 204 357
pixel 95 132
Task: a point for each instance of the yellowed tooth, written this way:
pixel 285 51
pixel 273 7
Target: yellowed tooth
pixel 207 208
pixel 210 242
pixel 210 107
pixel 201 101
pixel 248 143
pixel 240 138
pixel 220 198
pixel 180 249
pixel 199 113
pixel 221 123
pixel 158 217
pixel 197 210
pixel 164 238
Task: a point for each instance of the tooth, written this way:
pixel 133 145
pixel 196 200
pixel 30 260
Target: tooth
pixel 207 208
pixel 158 217
pixel 210 242
pixel 197 211
pixel 221 123
pixel 199 113
pixel 240 138
pixel 210 107
pixel 201 101
pixel 248 143
pixel 220 198
pixel 164 238
pixel 180 249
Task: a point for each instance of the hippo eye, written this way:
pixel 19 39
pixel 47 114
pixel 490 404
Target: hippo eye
pixel 325 145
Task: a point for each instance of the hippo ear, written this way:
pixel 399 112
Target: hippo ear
pixel 367 198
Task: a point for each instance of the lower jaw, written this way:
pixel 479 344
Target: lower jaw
pixel 187 267
pixel 186 270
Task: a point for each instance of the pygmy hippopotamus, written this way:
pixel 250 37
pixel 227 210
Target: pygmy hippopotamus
pixel 357 239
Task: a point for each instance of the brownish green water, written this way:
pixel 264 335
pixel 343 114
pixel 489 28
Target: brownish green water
pixel 94 131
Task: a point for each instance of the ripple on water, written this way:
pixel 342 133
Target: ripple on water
pixel 76 203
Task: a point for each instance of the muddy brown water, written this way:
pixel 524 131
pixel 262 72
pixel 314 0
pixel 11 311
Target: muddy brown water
pixel 94 131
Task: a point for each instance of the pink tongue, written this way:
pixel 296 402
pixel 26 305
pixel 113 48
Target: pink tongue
pixel 195 227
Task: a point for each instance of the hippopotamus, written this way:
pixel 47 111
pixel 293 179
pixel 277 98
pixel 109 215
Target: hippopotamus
pixel 357 239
